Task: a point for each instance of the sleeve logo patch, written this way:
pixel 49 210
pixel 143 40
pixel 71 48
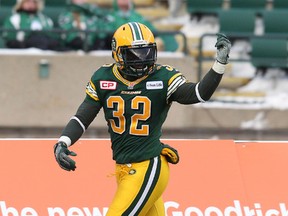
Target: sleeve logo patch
pixel 154 85
pixel 108 85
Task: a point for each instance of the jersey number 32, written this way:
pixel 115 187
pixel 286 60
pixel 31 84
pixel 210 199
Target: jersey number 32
pixel 118 104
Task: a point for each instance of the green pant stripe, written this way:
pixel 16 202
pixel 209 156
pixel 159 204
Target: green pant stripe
pixel 148 185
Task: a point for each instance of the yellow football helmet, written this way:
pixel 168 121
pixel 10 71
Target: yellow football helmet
pixel 134 49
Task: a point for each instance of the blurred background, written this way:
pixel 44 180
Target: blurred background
pixel 49 50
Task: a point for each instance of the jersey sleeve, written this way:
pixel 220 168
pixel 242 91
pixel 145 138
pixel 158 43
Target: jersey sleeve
pixel 78 123
pixel 202 91
pixel 175 81
pixel 91 91
pixel 85 114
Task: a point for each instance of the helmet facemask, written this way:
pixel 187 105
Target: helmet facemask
pixel 134 50
pixel 137 61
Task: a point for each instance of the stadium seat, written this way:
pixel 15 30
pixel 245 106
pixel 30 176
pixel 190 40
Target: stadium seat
pixel 59 3
pixel 53 12
pixel 280 4
pixel 237 22
pixel 7 3
pixel 258 6
pixel 269 53
pixel 2 43
pixel 254 4
pixel 275 22
pixel 204 7
pixel 47 2
pixel 4 12
pixel 137 3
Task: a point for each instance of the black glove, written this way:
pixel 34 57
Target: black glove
pixel 223 45
pixel 170 153
pixel 62 153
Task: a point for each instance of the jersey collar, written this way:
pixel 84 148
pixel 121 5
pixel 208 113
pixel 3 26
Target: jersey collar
pixel 123 80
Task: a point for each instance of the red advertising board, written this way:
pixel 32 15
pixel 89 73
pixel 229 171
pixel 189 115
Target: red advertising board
pixel 213 178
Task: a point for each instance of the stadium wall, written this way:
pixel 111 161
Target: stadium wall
pixel 32 97
pixel 44 91
pixel 213 178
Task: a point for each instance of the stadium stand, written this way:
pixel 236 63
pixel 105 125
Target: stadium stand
pixel 5 11
pixel 248 4
pixel 2 43
pixel 237 22
pixel 108 3
pixel 275 23
pixel 11 3
pixel 53 8
pixel 59 3
pixel 276 57
pixel 7 3
pixel 204 7
pixel 53 12
pixel 154 11
pixel 280 4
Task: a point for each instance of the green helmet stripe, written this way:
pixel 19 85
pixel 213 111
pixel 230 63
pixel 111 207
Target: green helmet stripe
pixel 136 31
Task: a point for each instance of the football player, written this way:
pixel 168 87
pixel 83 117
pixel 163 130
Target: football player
pixel 136 94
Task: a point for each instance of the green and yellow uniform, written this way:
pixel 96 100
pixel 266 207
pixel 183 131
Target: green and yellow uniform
pixel 136 95
pixel 134 111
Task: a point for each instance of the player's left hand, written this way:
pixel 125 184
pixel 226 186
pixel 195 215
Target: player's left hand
pixel 170 153
pixel 62 154
pixel 223 45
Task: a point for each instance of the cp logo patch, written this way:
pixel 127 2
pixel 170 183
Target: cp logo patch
pixel 108 85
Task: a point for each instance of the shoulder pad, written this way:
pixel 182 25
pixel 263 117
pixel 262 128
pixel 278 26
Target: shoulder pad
pixel 166 67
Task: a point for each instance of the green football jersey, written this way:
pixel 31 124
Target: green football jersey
pixel 134 110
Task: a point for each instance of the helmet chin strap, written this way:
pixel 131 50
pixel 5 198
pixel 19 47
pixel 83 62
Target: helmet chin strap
pixel 127 77
pixel 131 77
